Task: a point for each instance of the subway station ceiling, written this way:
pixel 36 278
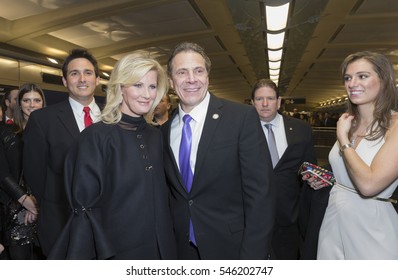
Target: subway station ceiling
pixel 320 34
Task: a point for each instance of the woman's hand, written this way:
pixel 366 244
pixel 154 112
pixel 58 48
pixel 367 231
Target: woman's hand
pixel 29 203
pixel 343 128
pixel 29 217
pixel 314 182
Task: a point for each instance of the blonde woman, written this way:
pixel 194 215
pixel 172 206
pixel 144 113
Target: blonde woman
pixel 114 174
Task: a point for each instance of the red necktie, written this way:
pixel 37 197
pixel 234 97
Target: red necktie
pixel 9 121
pixel 87 118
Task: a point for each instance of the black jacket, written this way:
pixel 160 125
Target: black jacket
pixel 10 164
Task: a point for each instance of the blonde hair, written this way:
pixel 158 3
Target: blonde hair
pixel 129 70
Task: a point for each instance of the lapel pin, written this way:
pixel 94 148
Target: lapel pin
pixel 216 116
pixel 290 128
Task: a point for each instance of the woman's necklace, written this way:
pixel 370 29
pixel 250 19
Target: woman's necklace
pixel 355 136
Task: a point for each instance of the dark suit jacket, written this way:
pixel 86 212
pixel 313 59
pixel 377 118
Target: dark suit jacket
pixel 10 165
pixel 288 183
pixel 313 203
pixel 330 122
pixel 289 188
pixel 47 137
pixel 231 202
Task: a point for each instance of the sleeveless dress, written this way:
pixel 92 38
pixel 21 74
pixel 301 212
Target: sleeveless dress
pixel 354 227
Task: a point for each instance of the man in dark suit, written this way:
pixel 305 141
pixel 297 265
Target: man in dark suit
pixel 227 210
pixel 330 120
pixel 9 103
pixel 294 146
pixel 47 138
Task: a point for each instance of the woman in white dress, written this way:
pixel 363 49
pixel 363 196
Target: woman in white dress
pixel 360 221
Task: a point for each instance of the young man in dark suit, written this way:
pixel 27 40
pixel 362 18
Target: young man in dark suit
pixel 48 136
pixel 225 210
pixel 294 146
pixel 9 103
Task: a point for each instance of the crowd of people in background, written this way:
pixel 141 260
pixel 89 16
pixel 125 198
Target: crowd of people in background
pixel 316 118
pixel 208 179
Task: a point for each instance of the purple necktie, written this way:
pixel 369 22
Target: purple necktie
pixel 185 166
pixel 185 153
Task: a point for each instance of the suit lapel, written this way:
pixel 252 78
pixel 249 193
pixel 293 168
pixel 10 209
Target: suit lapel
pixel 289 132
pixel 67 118
pixel 213 116
pixel 180 187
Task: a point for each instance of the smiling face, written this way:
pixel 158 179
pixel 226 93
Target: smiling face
pixel 361 82
pixel 81 80
pixel 266 103
pixel 189 79
pixel 30 102
pixel 139 97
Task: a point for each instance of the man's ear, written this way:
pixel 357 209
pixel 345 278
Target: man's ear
pixel 64 82
pixel 97 80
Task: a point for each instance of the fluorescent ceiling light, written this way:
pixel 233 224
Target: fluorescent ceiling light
pixel 274 64
pixel 52 60
pixel 105 74
pixel 275 55
pixel 274 72
pixel 275 41
pixel 276 17
pixel 274 78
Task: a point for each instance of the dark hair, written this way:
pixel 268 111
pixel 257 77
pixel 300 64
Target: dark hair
pixel 168 98
pixel 79 53
pixel 386 100
pixel 265 83
pixel 188 47
pixel 19 120
pixel 8 92
pixel 3 101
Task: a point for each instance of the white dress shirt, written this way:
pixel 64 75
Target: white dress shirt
pixel 77 108
pixel 198 115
